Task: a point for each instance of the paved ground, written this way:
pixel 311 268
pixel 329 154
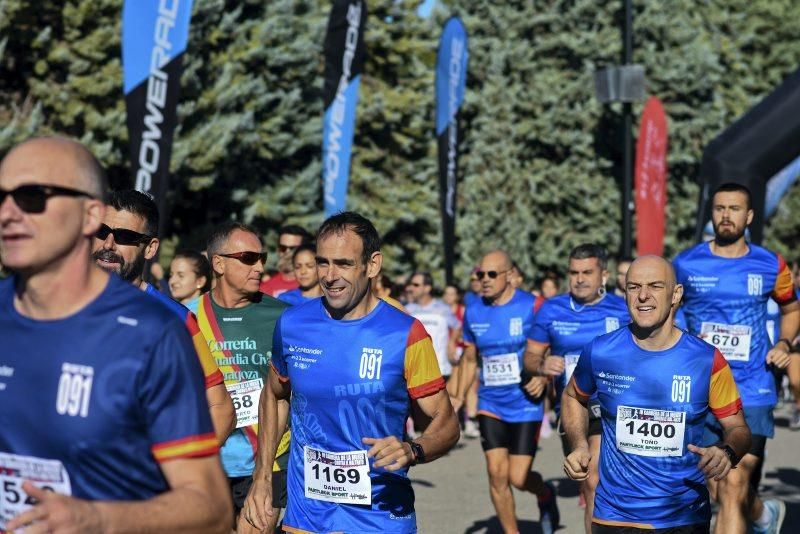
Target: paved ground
pixel 453 495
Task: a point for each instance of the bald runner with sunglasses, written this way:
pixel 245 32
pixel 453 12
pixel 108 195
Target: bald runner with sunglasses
pixel 509 400
pixel 123 244
pixel 239 320
pixel 85 362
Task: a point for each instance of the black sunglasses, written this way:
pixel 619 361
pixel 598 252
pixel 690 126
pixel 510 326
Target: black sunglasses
pixel 122 236
pixel 247 257
pixel 490 274
pixel 32 198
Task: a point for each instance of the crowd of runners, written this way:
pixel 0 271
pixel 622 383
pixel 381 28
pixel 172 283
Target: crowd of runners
pixel 230 397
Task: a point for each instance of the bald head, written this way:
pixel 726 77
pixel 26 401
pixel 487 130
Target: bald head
pixel 656 267
pixel 498 260
pixel 56 161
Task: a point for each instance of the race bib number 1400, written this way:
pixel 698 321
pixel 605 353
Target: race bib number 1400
pixel 649 431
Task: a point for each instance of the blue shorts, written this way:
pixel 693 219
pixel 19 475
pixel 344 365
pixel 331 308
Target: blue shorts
pixel 758 418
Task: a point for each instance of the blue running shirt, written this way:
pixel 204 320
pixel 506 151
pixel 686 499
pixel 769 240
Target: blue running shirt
pixel 350 380
pixel 566 327
pixel 725 301
pixel 92 403
pixel 498 333
pixel 653 404
pixel 294 297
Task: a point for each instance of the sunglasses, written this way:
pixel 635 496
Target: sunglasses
pixel 284 248
pixel 247 257
pixel 490 274
pixel 122 236
pixel 32 198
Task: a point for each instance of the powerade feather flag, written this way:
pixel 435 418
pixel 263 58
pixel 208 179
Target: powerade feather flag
pixel 344 63
pixel 451 77
pixel 154 36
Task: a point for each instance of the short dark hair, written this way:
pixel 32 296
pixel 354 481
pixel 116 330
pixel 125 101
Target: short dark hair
pixel 293 229
pixel 220 234
pixel 306 247
pixel 549 275
pixel 590 250
pixel 427 279
pixel 358 224
pixel 731 187
pixel 200 266
pixel 138 203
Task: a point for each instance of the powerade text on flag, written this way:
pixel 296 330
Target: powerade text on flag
pixel 154 36
pixel 344 62
pixel 651 179
pixel 451 76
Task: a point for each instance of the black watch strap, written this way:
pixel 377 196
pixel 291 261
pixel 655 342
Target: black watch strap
pixel 728 450
pixel 418 452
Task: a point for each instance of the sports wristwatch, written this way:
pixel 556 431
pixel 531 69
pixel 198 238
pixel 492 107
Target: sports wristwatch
pixel 418 452
pixel 729 452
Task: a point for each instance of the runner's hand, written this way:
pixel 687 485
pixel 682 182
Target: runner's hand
pixel 389 453
pixel 778 357
pixel 456 403
pixel 535 386
pixel 576 464
pixel 56 513
pixel 258 505
pixel 714 463
pixel 553 365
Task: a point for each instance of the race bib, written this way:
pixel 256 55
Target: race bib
pixel 501 370
pixel 733 341
pixel 245 396
pixel 570 363
pixel 14 470
pixel 341 477
pixel 650 432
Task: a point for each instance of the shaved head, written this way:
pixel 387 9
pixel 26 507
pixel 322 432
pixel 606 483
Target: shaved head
pixel 70 163
pixel 651 261
pixel 652 293
pixel 498 258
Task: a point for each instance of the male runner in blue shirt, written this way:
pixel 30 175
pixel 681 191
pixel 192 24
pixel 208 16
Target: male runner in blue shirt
pixel 101 396
pixel 352 365
pixel 727 283
pixel 564 325
pixel 654 402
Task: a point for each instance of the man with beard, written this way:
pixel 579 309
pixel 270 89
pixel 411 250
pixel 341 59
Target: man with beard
pixel 123 244
pixel 354 366
pixel 289 238
pixel 104 424
pixel 238 320
pixel 727 283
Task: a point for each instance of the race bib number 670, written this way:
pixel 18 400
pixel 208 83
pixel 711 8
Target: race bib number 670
pixel 14 470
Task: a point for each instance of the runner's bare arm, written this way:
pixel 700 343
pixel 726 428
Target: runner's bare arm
pixel 714 462
pixel 258 505
pixel 575 422
pixel 438 438
pixel 223 416
pixel 452 345
pixel 198 501
pixel 790 324
pixel 534 356
pixel 469 368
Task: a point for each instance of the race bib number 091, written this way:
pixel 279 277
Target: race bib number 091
pixel 501 370
pixel 341 477
pixel 14 470
pixel 650 432
pixel 732 340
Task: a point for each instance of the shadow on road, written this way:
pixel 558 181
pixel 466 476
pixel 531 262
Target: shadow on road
pixel 492 526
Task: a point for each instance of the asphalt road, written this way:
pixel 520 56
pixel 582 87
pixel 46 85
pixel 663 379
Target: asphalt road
pixel 453 495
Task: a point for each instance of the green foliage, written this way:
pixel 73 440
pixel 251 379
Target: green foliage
pixel 540 156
